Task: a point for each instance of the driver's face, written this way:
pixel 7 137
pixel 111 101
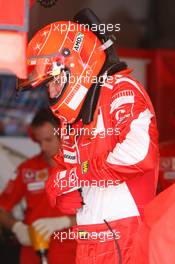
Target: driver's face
pixel 55 87
pixel 49 143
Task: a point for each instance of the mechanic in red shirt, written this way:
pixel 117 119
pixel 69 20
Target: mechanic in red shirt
pixel 30 184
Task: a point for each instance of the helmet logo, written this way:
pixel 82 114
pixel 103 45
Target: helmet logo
pixel 78 42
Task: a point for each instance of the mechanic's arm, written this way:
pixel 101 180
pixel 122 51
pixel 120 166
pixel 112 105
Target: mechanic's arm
pixel 6 219
pixel 12 194
pixel 17 227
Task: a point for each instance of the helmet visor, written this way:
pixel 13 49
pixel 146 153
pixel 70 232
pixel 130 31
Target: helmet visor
pixel 40 71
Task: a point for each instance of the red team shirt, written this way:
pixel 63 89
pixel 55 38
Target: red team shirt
pixel 30 184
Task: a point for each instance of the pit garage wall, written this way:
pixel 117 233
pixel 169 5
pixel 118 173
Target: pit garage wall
pixel 162 90
pixel 155 69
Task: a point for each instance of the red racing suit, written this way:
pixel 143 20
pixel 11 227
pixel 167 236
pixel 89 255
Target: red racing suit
pixel 30 184
pixel 167 165
pixel 120 162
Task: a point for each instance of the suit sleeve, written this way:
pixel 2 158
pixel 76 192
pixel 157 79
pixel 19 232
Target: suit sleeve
pixel 135 139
